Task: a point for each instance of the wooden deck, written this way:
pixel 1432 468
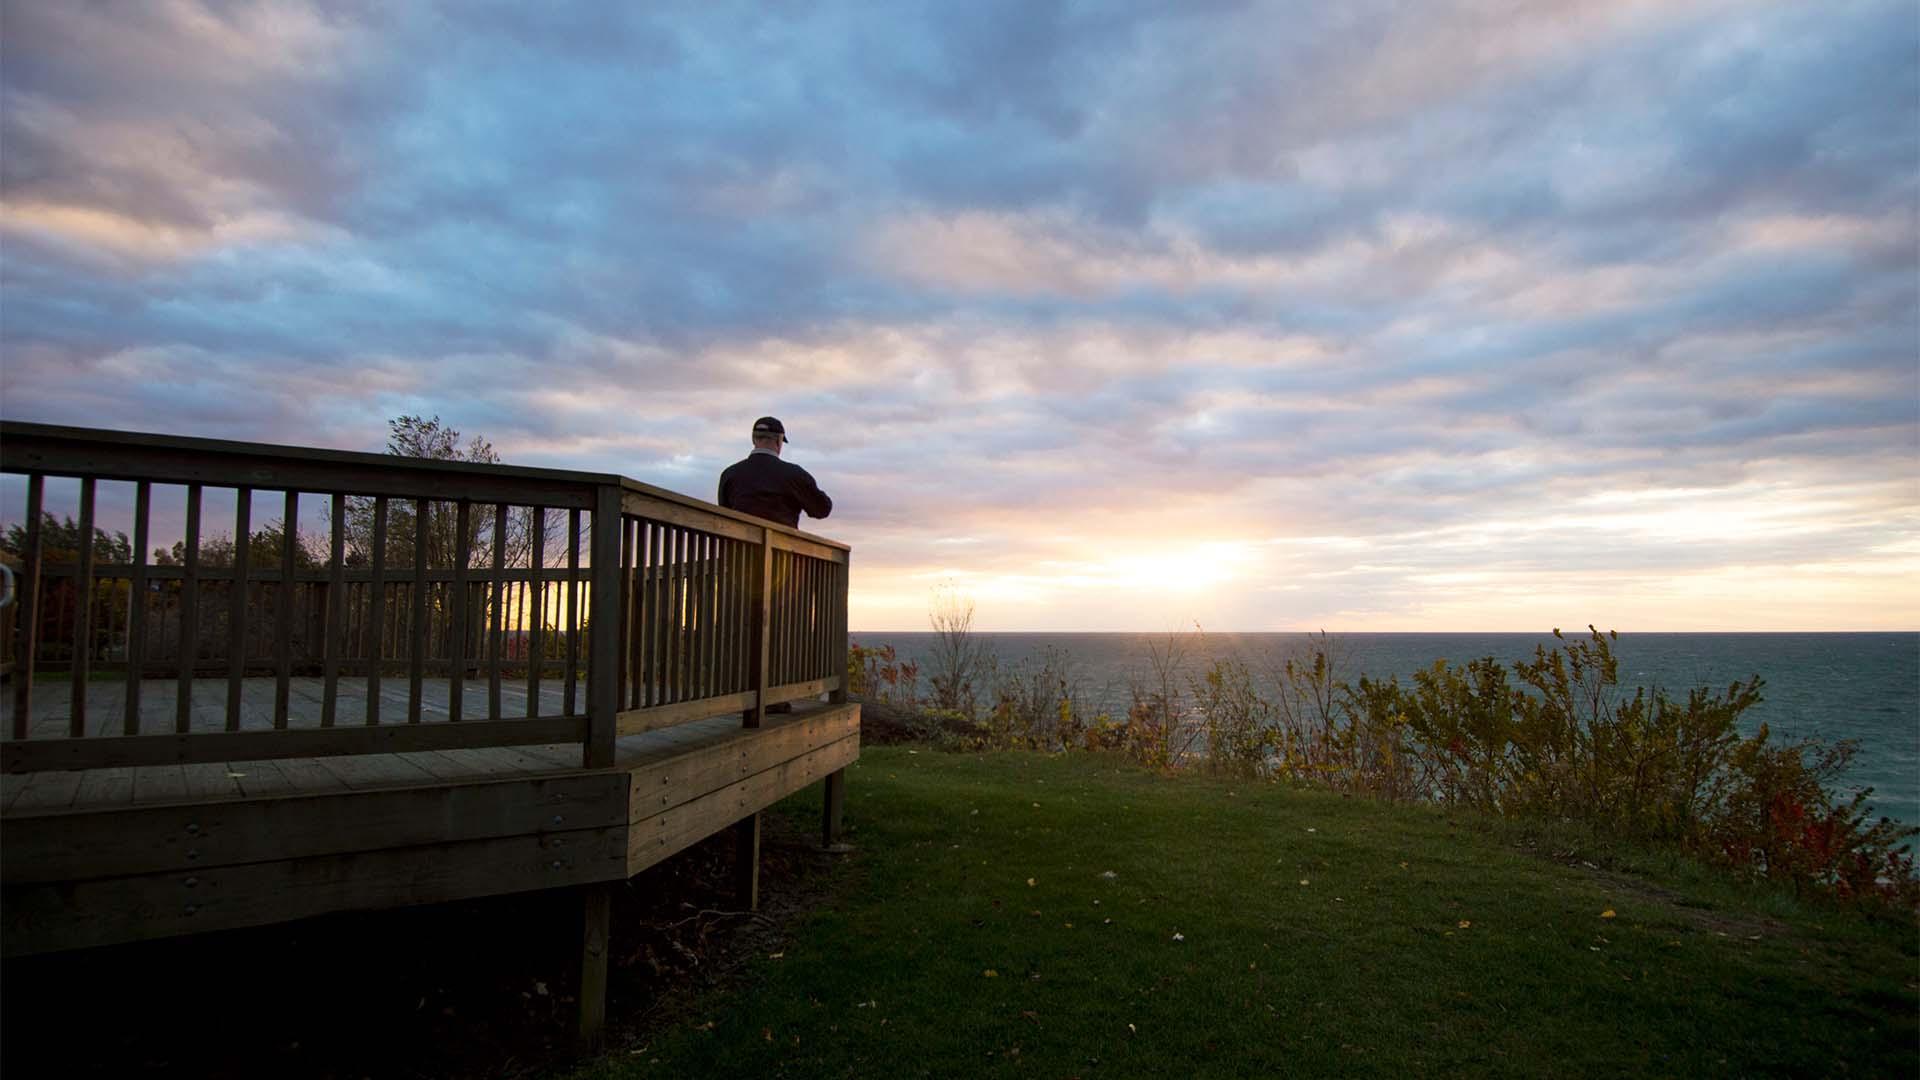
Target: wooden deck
pixel 664 632
pixel 99 856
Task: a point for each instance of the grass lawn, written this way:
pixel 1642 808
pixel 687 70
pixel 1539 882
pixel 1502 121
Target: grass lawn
pixel 1017 914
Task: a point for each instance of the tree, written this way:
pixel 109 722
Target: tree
pixel 60 542
pixel 959 662
pixel 266 548
pixel 434 440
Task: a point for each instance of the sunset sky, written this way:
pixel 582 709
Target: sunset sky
pixel 1364 316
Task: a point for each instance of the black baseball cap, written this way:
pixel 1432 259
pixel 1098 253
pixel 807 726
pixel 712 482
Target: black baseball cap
pixel 768 425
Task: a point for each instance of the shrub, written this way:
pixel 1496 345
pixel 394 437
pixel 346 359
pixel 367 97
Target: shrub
pixel 1239 722
pixel 877 674
pixel 1039 705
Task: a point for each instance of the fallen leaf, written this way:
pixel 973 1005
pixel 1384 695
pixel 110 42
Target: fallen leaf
pixel 990 974
pixel 1607 914
pixel 1178 936
pixel 776 956
pixel 1029 883
pixel 767 1034
pixel 1108 874
pixel 1465 924
pixel 1303 881
pixel 1131 1030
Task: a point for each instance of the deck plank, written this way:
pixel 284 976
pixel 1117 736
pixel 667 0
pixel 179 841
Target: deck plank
pixel 53 790
pixel 211 782
pixel 160 783
pixel 262 778
pixel 308 777
pixel 442 766
pixel 361 772
pixel 104 787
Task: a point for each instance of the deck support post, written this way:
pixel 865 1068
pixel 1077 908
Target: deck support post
pixel 595 936
pixel 833 792
pixel 746 862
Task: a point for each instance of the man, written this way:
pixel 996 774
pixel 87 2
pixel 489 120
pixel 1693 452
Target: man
pixel 766 487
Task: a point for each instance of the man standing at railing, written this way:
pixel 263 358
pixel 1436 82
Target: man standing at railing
pixel 766 487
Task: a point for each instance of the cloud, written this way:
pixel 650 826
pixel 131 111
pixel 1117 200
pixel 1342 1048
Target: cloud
pixel 1329 315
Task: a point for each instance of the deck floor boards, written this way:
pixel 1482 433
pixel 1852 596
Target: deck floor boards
pixel 56 790
pixel 105 717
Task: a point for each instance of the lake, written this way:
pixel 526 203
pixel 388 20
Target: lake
pixel 1860 686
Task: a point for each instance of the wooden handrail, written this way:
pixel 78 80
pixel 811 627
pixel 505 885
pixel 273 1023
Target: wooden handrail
pixel 711 611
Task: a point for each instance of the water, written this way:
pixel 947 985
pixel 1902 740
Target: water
pixel 1860 686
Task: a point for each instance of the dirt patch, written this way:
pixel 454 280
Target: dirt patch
pixel 1745 924
pixel 475 989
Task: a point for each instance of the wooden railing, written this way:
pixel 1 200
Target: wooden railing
pixel 437 605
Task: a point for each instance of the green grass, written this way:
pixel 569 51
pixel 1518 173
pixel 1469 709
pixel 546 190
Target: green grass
pixel 975 933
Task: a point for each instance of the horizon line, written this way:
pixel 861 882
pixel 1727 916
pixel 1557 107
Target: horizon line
pixel 1547 633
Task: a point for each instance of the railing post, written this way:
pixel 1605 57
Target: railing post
pixel 762 626
pixel 27 606
pixel 603 661
pixel 839 627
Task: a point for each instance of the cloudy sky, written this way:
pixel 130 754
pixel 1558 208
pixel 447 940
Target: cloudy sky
pixel 1494 315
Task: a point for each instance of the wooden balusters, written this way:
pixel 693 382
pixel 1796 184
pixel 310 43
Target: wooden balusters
pixel 417 652
pixel 573 610
pixel 536 643
pixel 82 614
pixel 461 621
pixel 283 610
pixel 237 603
pixel 137 607
pixel 497 633
pixel 27 606
pixel 373 628
pixel 334 641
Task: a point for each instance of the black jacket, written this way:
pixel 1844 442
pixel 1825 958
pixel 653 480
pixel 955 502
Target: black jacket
pixel 766 487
